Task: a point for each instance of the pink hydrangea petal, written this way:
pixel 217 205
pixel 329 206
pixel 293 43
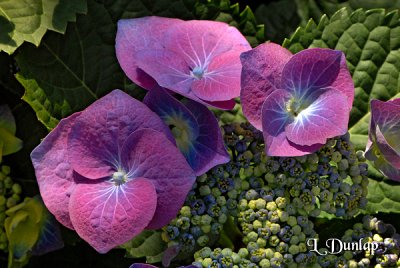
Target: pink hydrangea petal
pixel 317 68
pixel 221 81
pixel 147 153
pixel 106 215
pixel 97 136
pixel 198 42
pixel 323 119
pixel 138 34
pixel 54 173
pixel 344 82
pixel 167 68
pixel 261 74
pixel 275 119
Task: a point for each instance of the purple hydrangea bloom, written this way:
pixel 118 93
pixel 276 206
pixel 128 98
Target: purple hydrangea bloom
pixel 195 129
pixel 383 147
pixel 112 170
pixel 197 59
pixel 298 101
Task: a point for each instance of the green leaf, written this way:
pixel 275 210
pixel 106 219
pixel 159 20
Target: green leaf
pixel 220 10
pixel 315 9
pixel 371 42
pixel 383 196
pixel 280 19
pixel 28 20
pixel 148 244
pixel 67 73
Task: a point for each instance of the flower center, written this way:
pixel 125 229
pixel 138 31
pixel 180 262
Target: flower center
pixel 197 72
pixel 295 107
pixel 119 178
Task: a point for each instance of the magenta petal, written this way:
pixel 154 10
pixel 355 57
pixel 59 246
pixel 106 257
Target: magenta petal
pixel 275 119
pixel 167 68
pixel 97 136
pixel 323 119
pixel 311 69
pixel 344 82
pixel 261 74
pixel 54 173
pixel 106 215
pixel 199 41
pixel 223 105
pixel 147 153
pixel 221 81
pixel 137 34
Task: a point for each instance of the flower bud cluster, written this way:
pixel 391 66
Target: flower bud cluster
pixel 10 195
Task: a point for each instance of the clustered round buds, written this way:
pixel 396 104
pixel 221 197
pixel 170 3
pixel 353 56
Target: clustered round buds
pixel 373 231
pixel 208 205
pixel 10 196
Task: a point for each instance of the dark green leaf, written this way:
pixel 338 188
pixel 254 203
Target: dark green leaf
pixel 280 19
pixel 67 73
pixel 316 8
pixel 28 20
pixel 383 196
pixel 148 244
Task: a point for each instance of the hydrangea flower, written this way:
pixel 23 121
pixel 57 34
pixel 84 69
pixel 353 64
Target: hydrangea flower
pixel 197 59
pixel 112 170
pixel 195 129
pixel 383 146
pixel 298 101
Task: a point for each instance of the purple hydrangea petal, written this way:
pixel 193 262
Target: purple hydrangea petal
pixel 321 120
pixel 200 138
pixel 147 153
pixel 142 265
pixel 106 215
pixel 387 169
pixel 261 74
pixel 275 119
pixel 317 68
pixel 209 150
pixel 54 173
pixel 386 115
pixel 97 136
pixel 167 68
pixel 134 35
pixel 223 105
pixel 388 152
pixel 383 147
